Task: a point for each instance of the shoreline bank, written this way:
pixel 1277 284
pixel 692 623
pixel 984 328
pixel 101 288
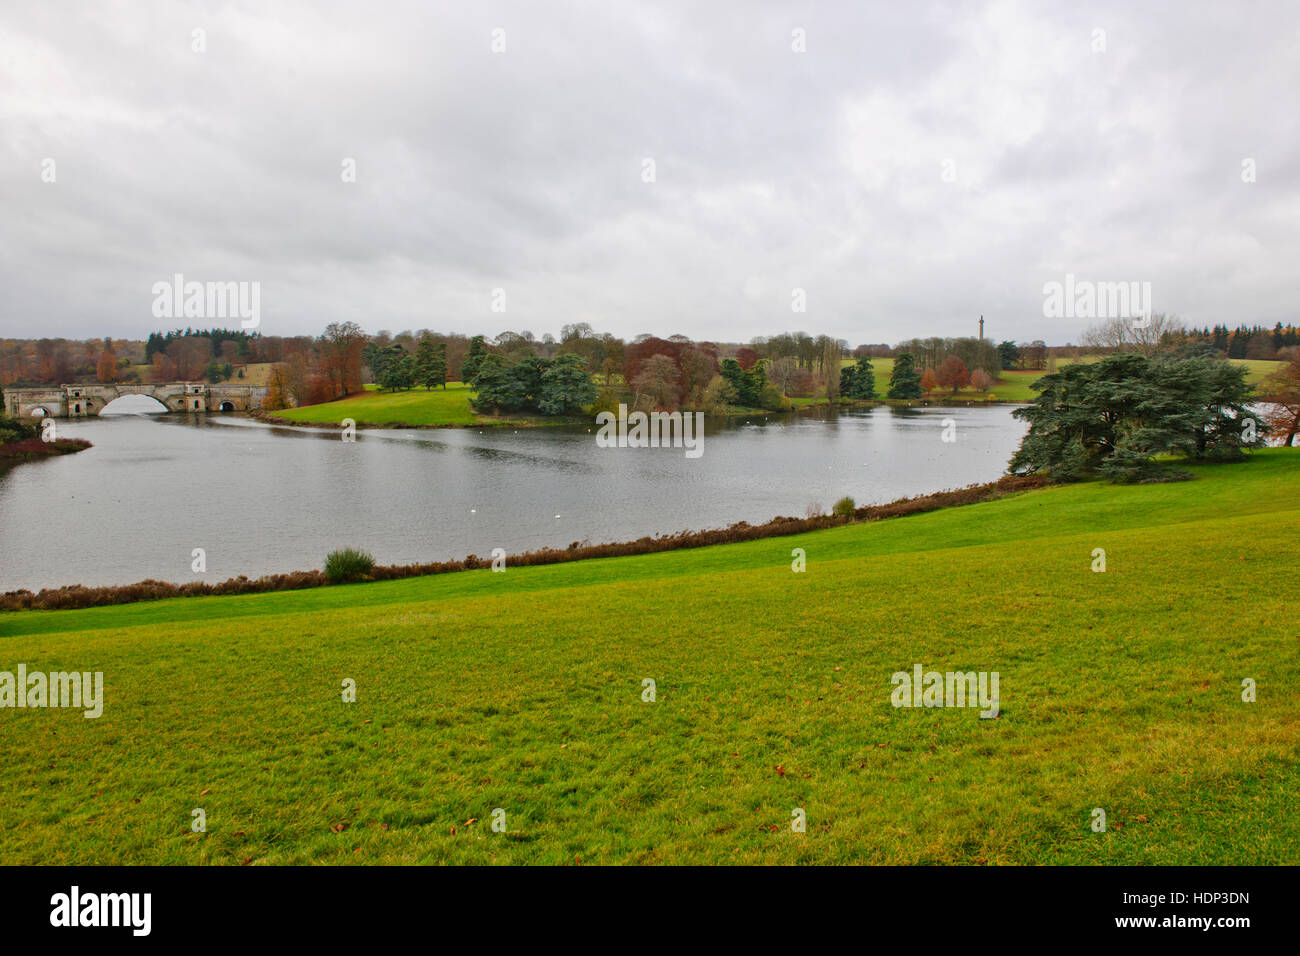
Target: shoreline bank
pixel 80 596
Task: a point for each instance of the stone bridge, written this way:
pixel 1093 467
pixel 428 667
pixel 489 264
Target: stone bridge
pixel 80 401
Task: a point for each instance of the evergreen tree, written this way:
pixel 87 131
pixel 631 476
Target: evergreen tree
pixel 904 380
pixel 370 356
pixel 858 381
pixel 566 387
pixel 473 359
pixel 377 359
pixel 396 370
pixel 756 380
pixel 431 363
pixel 439 369
pixel 1115 416
pixel 496 386
pixel 527 373
pixel 742 381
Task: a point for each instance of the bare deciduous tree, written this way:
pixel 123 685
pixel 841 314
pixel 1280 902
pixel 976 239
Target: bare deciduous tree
pixel 1145 336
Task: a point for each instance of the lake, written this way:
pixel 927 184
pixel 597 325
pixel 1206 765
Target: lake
pixel 261 499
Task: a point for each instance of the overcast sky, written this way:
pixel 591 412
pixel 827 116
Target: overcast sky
pixel 916 166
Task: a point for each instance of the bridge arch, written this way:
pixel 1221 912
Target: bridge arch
pixel 137 403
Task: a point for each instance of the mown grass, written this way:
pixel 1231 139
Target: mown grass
pixel 417 406
pixel 523 691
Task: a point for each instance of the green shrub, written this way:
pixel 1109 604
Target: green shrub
pixel 348 565
pixel 12 430
pixel 845 506
pixel 606 401
pixel 770 399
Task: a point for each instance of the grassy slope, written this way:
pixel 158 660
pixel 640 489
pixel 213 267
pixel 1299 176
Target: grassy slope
pixel 414 407
pixel 522 691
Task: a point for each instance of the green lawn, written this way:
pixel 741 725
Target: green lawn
pixel 1257 369
pixel 1017 386
pixel 414 407
pixel 523 691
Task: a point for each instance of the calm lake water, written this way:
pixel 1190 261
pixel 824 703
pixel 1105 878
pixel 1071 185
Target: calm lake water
pixel 259 499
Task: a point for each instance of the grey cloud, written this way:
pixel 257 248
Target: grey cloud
pixel 522 170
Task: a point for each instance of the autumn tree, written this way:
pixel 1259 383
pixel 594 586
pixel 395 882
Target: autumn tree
pixel 296 377
pixel 163 368
pixel 830 367
pixel 1281 390
pixel 609 368
pixel 53 361
pixel 952 373
pixel 697 368
pixel 646 348
pixel 719 396
pixel 106 367
pixel 658 381
pixel 982 380
pixel 189 357
pixel 928 381
pixel 339 350
pixel 277 392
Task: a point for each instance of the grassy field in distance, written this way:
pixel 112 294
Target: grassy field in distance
pixel 417 406
pixel 1016 385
